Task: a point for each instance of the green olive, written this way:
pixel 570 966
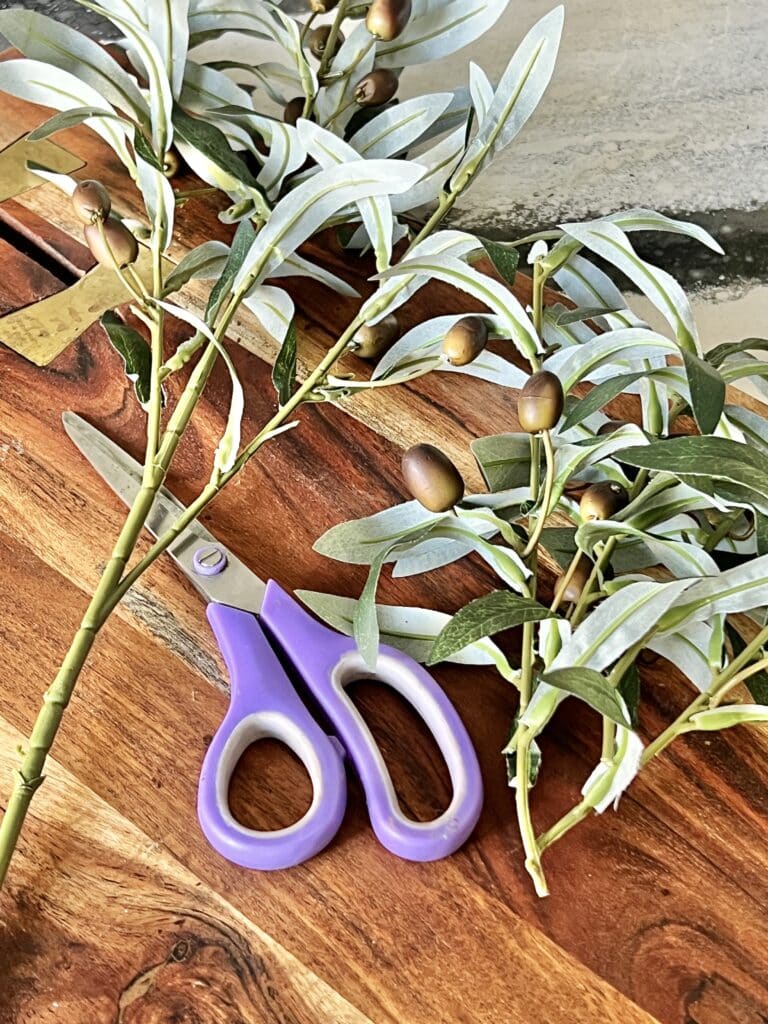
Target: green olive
pixel 117 246
pixel 386 19
pixel 322 6
pixel 373 340
pixel 540 403
pixel 171 163
pixel 603 500
pixel 377 87
pixel 318 40
pixel 293 110
pixel 465 340
pixel 576 584
pixel 91 201
pixel 432 478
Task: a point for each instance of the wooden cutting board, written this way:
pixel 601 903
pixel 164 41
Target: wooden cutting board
pixel 116 908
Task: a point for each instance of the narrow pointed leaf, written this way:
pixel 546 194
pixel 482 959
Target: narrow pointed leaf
pixel 484 617
pixel 707 389
pixel 593 689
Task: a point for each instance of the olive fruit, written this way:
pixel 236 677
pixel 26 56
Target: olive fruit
pixel 171 163
pixel 318 40
pixel 540 402
pixel 293 110
pixel 610 427
pixel 465 340
pixel 377 87
pixel 386 19
pixel 578 579
pixel 432 478
pixel 603 501
pixel 121 247
pixel 91 201
pixel 373 340
pixel 322 6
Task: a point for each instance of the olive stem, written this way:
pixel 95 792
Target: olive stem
pixel 306 27
pixel 523 805
pixel 549 481
pixel 564 581
pixel 602 560
pixel 330 47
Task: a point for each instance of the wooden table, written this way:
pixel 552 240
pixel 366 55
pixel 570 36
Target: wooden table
pixel 116 909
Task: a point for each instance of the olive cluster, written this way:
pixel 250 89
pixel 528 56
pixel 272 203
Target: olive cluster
pixel 109 240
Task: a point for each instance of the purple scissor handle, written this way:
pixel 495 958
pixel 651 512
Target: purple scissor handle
pixel 253 624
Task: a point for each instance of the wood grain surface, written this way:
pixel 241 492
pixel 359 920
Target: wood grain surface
pixel 116 908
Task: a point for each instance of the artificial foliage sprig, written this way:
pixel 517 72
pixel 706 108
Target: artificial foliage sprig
pixel 661 538
pixel 345 155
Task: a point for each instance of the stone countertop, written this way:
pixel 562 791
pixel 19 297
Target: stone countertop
pixel 651 104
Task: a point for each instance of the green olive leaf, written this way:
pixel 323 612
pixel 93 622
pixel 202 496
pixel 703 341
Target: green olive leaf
pixel 133 350
pixel 716 355
pixel 504 460
pixel 599 396
pixel 594 689
pixel 629 690
pixel 284 369
pixel 756 684
pixel 504 258
pixel 484 617
pixel 707 391
pixel 241 244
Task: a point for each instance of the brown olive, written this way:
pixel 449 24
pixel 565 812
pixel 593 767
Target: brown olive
pixel 373 340
pixel 603 500
pixel 91 201
pixel 171 163
pixel 121 246
pixel 576 584
pixel 465 340
pixel 540 403
pixel 293 110
pixel 322 6
pixel 318 40
pixel 377 87
pixel 432 478
pixel 610 427
pixel 386 19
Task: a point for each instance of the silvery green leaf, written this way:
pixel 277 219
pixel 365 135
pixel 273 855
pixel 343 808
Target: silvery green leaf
pixel 591 687
pixel 649 220
pixel 611 778
pixel 281 83
pixel 273 308
pixel 688 651
pixel 54 43
pixel 517 95
pixel 395 129
pixel 438 32
pixel 204 262
pixel 64 182
pixel 328 151
pixel 438 161
pixel 312 203
pixel 752 425
pixel 481 91
pixel 737 590
pixel 661 500
pixel 365 625
pixel 599 396
pixel 167 24
pixel 580 313
pixel 737 367
pixel 425 340
pixel 227 448
pixel 610 242
pixel 622 620
pixel 729 715
pixel 207 92
pixel 297 266
pixel 732 348
pixel 553 633
pixel 70 119
pixel 681 558
pixel 412 630
pixel 571 459
pixel 587 285
pixel 561 336
pixel 159 201
pixel 713 465
pixel 505 562
pixel 455 115
pixel 485 616
pixel 359 541
pixel 499 299
pixel 51 87
pixel 707 391
pixel 159 91
pixel 629 344
pixel 504 460
pixel 286 154
pixel 435 552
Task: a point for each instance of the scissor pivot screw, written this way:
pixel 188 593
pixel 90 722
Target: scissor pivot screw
pixel 209 560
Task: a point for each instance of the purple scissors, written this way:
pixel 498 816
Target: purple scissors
pixel 264 703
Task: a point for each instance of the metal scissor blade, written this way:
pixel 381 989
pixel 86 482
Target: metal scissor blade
pixel 218 574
